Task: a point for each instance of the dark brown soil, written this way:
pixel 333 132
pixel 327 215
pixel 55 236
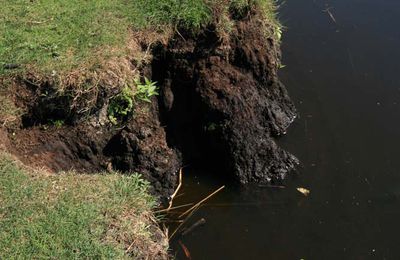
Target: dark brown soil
pixel 93 145
pixel 223 102
pixel 221 105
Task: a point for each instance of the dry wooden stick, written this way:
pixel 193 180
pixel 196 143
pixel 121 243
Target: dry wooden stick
pixel 184 221
pixel 176 191
pixel 130 246
pixel 201 202
pixel 176 207
pixel 180 225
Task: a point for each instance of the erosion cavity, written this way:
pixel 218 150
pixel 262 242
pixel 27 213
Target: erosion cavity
pixel 47 104
pixel 222 103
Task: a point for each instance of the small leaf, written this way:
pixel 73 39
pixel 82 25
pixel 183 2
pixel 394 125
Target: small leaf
pixel 304 191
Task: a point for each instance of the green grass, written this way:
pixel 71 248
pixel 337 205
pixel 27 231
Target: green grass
pixel 73 216
pixel 55 37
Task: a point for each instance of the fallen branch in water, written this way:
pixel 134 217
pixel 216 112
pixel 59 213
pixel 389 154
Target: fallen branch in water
pixel 201 202
pixel 192 210
pixel 198 223
pixel 176 207
pixel 183 222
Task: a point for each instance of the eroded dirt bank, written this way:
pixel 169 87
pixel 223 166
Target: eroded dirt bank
pixel 220 104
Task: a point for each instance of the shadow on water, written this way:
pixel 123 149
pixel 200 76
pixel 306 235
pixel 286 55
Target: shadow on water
pixel 342 70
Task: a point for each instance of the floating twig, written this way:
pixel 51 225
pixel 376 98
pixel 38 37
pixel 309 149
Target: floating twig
pixel 176 207
pixel 198 223
pixel 327 10
pixel 180 225
pixel 201 202
pixel 176 230
pixel 188 213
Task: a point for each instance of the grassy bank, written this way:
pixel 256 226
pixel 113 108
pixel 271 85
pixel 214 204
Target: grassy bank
pixel 73 216
pixel 52 37
pixel 85 48
pixel 66 38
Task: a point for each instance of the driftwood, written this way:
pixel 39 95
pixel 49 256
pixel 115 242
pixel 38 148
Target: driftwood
pixel 192 210
pixel 199 223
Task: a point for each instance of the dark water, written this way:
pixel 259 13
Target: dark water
pixel 345 79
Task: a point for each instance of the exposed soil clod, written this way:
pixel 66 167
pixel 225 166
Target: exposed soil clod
pixel 223 103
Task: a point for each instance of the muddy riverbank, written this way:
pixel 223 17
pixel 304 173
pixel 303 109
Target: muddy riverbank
pixel 220 105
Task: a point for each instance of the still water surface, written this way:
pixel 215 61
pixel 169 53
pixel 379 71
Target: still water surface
pixel 343 72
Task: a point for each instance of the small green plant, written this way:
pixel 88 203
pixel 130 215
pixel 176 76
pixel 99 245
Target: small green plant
pixel 211 127
pixel 123 105
pixel 57 123
pixel 145 91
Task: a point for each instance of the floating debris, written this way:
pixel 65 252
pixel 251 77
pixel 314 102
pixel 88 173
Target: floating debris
pixel 304 191
pixel 328 10
pixel 201 202
pixel 199 223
